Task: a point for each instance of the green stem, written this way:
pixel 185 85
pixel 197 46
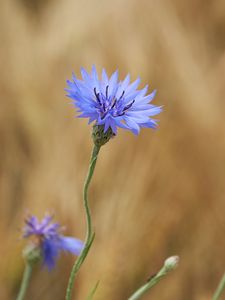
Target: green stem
pixel 169 265
pixel 25 281
pixel 144 288
pixel 92 293
pixel 90 234
pixel 219 289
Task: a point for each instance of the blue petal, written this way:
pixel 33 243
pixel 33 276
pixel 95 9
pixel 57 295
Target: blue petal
pixel 113 86
pixel 150 124
pixel 71 244
pixel 141 94
pixel 132 87
pixel 45 221
pixel 107 124
pixel 86 77
pixel 123 85
pixel 138 118
pixel 95 78
pixel 50 250
pixel 113 126
pixel 130 97
pixel 134 127
pixel 147 99
pixel 104 82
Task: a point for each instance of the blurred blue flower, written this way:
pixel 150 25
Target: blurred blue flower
pixel 113 103
pixel 46 235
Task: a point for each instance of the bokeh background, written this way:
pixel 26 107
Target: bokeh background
pixel 155 195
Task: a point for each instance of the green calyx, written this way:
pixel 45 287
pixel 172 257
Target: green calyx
pixel 32 254
pixel 100 137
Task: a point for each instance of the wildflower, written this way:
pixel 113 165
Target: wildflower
pixel 48 239
pixel 112 103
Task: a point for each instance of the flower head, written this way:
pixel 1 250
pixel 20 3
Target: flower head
pixel 47 237
pixel 113 103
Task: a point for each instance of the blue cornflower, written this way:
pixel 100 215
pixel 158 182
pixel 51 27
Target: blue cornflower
pixel 113 103
pixel 47 237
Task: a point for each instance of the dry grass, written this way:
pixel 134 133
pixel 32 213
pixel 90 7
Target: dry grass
pixel 152 196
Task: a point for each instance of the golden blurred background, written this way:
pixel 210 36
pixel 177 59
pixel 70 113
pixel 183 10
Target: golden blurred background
pixel 155 195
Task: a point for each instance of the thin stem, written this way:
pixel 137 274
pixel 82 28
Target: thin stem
pixel 89 234
pixel 25 281
pixel 219 289
pixel 169 265
pixel 147 286
pixel 93 161
pixel 92 293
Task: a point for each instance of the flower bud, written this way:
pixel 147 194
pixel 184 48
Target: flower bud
pixel 171 263
pixel 32 254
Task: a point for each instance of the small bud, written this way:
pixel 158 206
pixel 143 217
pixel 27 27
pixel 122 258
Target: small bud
pixel 171 263
pixel 32 254
pixel 99 136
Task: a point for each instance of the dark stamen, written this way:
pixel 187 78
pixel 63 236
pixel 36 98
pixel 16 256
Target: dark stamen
pixel 122 95
pixel 114 103
pixel 97 96
pixel 122 114
pixel 128 106
pixel 103 116
pixel 106 91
